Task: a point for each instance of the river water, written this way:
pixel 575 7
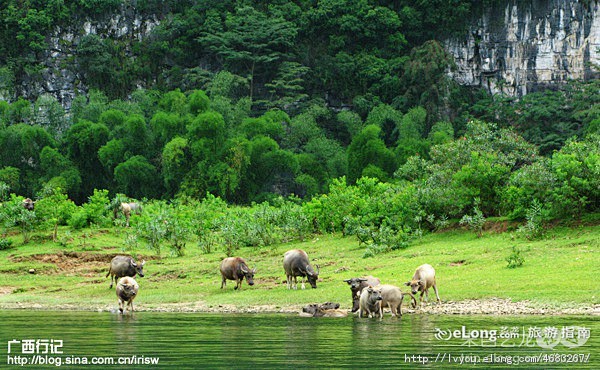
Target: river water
pixel 148 340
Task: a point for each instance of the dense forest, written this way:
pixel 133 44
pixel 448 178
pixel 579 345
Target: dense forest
pixel 250 101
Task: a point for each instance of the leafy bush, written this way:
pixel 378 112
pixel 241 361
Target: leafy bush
pixel 515 259
pixel 12 213
pixel 577 169
pixel 536 216
pixel 475 221
pixel 5 243
pixel 95 211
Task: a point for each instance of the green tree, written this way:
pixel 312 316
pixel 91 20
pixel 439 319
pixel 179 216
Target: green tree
pixel 56 168
pixel 138 178
pixel 82 143
pixel 54 209
pixel 176 158
pixel 251 42
pixel 287 88
pixel 388 119
pixel 49 114
pixel 207 133
pixel 199 102
pixel 10 176
pixel 367 148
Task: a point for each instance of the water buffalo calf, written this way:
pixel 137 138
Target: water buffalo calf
pixel 423 279
pixel 370 302
pixel 392 297
pixel 127 289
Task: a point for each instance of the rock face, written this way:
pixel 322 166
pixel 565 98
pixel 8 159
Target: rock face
pixel 60 74
pixel 517 47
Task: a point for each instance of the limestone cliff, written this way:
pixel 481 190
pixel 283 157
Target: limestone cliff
pixel 517 47
pixel 60 75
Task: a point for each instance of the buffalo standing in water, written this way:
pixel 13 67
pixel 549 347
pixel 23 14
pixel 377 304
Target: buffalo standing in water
pixel 357 285
pixel 127 289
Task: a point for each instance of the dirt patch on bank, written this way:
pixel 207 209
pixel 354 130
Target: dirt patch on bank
pixel 73 263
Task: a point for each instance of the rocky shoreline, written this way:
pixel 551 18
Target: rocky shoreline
pixel 494 306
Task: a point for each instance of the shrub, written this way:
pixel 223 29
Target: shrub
pixel 475 222
pixel 95 211
pixel 515 259
pixel 536 216
pixel 5 243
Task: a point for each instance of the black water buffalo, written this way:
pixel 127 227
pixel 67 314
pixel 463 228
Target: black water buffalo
pixel 121 266
pixel 235 268
pixel 357 285
pixel 295 263
pixel 127 290
pixel 28 204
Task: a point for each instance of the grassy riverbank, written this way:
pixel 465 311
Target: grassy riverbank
pixel 559 272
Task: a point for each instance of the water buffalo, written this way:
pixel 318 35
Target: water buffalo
pixel 127 289
pixel 370 302
pixel 28 204
pixel 357 285
pixel 121 266
pixel 327 309
pixel 295 263
pixel 235 268
pixel 127 209
pixel 392 297
pixel 422 280
pixel 314 307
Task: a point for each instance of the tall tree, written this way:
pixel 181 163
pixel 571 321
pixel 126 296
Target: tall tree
pixel 251 42
pixel 82 142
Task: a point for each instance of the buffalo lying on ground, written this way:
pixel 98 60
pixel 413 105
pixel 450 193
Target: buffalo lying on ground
pixel 327 309
pixel 121 266
pixel 235 268
pixel 295 263
pixel 127 289
pixel 423 279
pixel 370 302
pixel 357 285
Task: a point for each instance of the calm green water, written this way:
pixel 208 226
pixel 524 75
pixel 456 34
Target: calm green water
pixel 214 341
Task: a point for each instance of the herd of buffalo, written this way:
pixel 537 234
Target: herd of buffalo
pixel 369 296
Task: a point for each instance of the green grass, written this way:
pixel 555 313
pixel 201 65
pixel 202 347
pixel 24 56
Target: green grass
pixel 561 269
